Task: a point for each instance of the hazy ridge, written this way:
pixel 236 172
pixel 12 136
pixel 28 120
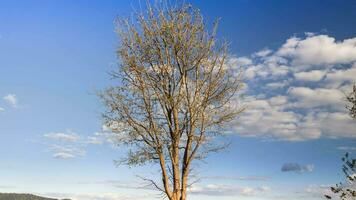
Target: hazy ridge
pixel 15 196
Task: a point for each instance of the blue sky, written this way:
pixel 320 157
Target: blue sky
pixel 299 57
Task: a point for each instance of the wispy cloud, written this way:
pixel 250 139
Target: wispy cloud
pixel 120 184
pixel 238 178
pixel 97 196
pixel 94 140
pixel 317 191
pixel 346 148
pixel 72 137
pixel 228 190
pixel 69 145
pixel 7 187
pixel 262 53
pixel 11 100
pixel 295 167
pixel 67 137
pixel 66 152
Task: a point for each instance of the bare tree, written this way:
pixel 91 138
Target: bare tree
pixel 346 190
pixel 175 92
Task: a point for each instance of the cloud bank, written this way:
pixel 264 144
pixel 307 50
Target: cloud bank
pixel 297 92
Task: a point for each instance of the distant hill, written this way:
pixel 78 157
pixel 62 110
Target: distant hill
pixel 14 196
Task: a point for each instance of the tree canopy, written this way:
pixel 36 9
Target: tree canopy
pixel 175 92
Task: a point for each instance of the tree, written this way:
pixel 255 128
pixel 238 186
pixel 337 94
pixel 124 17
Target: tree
pixel 175 93
pixel 346 190
pixel 351 99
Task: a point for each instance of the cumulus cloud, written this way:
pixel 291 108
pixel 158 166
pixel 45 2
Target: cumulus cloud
pixel 271 118
pixel 336 124
pixel 278 100
pixel 295 167
pixel 241 61
pixel 314 75
pixel 309 98
pixel 337 77
pixel 319 50
pixel 297 92
pixel 11 100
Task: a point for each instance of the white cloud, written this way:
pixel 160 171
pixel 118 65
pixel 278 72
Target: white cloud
pixel 263 53
pixel 277 85
pixel 298 92
pixel 2 109
pixel 251 72
pixel 309 98
pixel 278 100
pixel 265 71
pixel 319 50
pixel 66 145
pixel 66 137
pixel 337 77
pixel 314 75
pixel 274 117
pixel 11 100
pixel 336 124
pixel 346 148
pixel 71 137
pixel 63 155
pixel 94 140
pixel 271 118
pixel 66 152
pixel 241 61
